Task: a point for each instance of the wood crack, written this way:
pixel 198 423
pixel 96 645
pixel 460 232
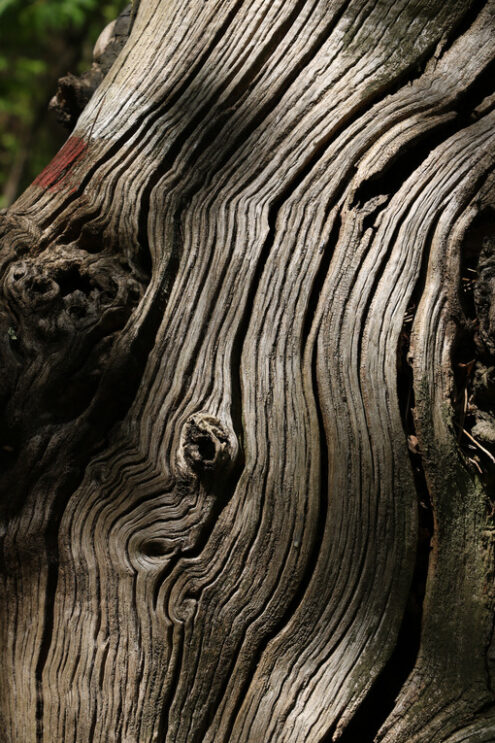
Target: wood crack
pixel 380 700
pixel 462 26
pixel 308 347
pixel 269 195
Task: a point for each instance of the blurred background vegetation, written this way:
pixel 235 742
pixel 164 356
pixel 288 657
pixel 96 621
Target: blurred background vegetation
pixel 40 41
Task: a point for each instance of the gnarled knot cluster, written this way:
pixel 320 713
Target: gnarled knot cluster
pixel 65 293
pixel 61 308
pixel 56 291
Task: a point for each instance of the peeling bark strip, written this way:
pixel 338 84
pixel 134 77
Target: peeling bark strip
pixel 235 335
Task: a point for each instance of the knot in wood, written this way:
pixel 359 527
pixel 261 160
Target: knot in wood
pixel 61 293
pixel 207 445
pixel 29 285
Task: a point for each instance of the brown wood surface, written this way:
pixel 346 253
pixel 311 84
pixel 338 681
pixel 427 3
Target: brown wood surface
pixel 247 346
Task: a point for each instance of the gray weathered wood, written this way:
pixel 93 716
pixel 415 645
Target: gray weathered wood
pixel 231 331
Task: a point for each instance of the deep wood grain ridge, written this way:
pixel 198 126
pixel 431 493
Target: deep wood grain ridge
pixel 255 198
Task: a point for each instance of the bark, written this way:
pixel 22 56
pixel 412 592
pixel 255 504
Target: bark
pixel 247 335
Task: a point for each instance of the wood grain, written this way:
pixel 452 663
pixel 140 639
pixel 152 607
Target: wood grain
pixel 209 506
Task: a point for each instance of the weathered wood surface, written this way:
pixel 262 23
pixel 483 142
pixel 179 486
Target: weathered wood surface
pixel 236 365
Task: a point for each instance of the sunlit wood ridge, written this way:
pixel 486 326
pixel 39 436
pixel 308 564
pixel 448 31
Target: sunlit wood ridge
pixel 247 347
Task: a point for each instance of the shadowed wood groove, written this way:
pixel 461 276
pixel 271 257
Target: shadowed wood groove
pixel 211 474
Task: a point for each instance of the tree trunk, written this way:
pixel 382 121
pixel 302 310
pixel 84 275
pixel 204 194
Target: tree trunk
pixel 247 337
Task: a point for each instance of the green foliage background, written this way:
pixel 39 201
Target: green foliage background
pixel 40 41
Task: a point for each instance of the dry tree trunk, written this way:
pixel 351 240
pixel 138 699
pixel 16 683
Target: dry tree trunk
pixel 247 337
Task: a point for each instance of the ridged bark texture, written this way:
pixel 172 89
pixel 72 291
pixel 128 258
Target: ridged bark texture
pixel 247 339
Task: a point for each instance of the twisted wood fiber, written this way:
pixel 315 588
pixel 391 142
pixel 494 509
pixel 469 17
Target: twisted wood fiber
pixel 209 512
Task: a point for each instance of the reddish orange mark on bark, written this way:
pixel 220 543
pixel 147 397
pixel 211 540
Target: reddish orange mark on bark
pixel 54 175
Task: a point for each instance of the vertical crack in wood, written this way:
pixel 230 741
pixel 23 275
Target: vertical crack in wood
pixel 309 320
pixel 474 349
pixel 380 701
pixel 457 499
pixel 463 24
pixel 381 698
pixel 473 360
pixel 204 648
